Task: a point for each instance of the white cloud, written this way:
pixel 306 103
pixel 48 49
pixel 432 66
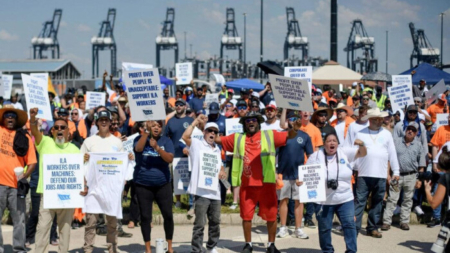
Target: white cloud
pixel 63 24
pixel 5 35
pixel 83 28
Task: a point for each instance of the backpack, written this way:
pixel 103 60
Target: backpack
pixel 21 144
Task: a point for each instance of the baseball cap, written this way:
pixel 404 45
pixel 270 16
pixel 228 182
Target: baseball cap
pixel 255 94
pixel 241 102
pixel 255 103
pixel 423 80
pixel 63 112
pixel 122 99
pixel 292 114
pixel 442 97
pixel 419 99
pixel 104 114
pixel 354 84
pixel 413 124
pixel 412 108
pixel 272 105
pixel 214 108
pixel 244 91
pixel 230 91
pixel 180 100
pixel 211 125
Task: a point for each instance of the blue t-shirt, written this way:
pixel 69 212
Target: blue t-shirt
pixel 151 169
pixel 174 130
pixel 267 98
pixel 293 155
pixel 196 104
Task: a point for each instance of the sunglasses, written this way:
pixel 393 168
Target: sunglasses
pixel 74 113
pixel 339 111
pixel 322 115
pixel 251 120
pixel 228 106
pixel 365 99
pixel 57 128
pixel 412 112
pixel 212 131
pixel 293 118
pixel 411 129
pixel 179 105
pixel 270 110
pixel 8 115
pixel 255 106
pixel 242 107
pixel 114 124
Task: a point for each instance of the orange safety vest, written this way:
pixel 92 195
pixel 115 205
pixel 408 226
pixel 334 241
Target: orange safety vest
pixel 348 121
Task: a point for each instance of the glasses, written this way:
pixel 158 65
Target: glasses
pixel 292 118
pixel 270 110
pixel 339 111
pixel 74 113
pixel 57 128
pixel 242 107
pixel 8 115
pixel 115 124
pixel 255 106
pixel 228 106
pixel 322 115
pixel 212 131
pixel 412 112
pixel 365 99
pixel 179 105
pixel 411 129
pixel 252 120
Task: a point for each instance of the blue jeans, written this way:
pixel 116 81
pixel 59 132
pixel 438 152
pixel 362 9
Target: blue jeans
pixel 346 213
pixel 311 208
pixel 437 211
pixel 365 186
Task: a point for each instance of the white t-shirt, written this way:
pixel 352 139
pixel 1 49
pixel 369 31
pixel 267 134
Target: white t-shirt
pixel 18 105
pixel 352 130
pixel 194 159
pixel 380 149
pixel 273 126
pixel 340 131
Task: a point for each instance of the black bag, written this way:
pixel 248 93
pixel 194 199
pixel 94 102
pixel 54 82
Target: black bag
pixel 20 145
pixel 23 187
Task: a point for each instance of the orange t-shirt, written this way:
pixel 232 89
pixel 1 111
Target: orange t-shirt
pixel 435 109
pixel 117 134
pixel 10 160
pixel 252 173
pixel 326 95
pixel 441 136
pixel 314 133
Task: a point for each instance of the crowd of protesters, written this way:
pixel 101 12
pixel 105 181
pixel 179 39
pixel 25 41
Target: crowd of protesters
pixel 372 156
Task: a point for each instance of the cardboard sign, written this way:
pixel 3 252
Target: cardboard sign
pixel 128 144
pixel 434 92
pixel 63 180
pixel 401 96
pixel 144 95
pixel 209 98
pixel 36 96
pixel 291 93
pixel 184 73
pixel 441 120
pixel 314 186
pixel 301 72
pixel 95 99
pixel 208 177
pixel 398 80
pixel 7 81
pixel 181 175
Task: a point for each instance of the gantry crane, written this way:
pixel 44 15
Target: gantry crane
pixel 359 39
pixel 105 41
pixel 48 38
pixel 294 37
pixel 167 40
pixel 423 50
pixel 230 38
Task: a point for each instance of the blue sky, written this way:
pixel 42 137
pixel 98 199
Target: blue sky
pixel 139 22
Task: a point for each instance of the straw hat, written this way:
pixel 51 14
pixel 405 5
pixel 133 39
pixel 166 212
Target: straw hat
pixel 22 116
pixel 346 108
pixel 321 109
pixel 375 113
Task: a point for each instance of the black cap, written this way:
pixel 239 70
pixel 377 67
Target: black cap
pixel 180 100
pixel 244 91
pixel 292 114
pixel 104 114
pixel 214 108
pixel 412 108
pixel 241 102
pixel 63 112
pixel 255 103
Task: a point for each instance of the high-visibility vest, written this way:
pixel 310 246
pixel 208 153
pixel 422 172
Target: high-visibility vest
pixel 380 102
pixel 225 93
pixel 267 158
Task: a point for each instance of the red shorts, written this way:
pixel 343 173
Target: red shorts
pixel 265 195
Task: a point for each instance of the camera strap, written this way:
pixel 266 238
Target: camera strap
pixel 337 163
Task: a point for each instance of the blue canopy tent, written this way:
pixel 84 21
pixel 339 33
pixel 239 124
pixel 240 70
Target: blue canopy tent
pixel 244 83
pixel 427 72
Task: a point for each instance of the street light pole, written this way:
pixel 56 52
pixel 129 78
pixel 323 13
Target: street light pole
pixel 387 34
pixel 261 39
pixel 185 53
pixel 245 36
pixel 442 36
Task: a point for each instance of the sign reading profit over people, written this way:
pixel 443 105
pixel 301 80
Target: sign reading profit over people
pixel 144 94
pixel 313 188
pixel 291 93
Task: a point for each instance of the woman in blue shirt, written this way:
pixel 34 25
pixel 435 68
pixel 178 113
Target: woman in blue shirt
pixel 154 152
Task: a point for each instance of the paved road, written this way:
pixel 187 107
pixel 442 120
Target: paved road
pixel 418 239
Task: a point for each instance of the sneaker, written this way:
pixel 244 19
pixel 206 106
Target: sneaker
pixel 397 210
pixel 282 232
pixel 292 224
pixel 178 205
pixel 54 242
pixel 122 233
pixel 272 249
pixel 190 214
pixel 300 234
pixel 247 249
pixel 433 223
pixel 418 210
pixel 310 224
pixel 233 206
pixel 385 227
pixel 213 250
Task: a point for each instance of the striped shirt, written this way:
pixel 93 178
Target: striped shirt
pixel 411 157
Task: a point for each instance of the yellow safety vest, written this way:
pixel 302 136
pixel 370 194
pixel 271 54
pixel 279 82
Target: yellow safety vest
pixel 380 103
pixel 267 158
pixel 224 93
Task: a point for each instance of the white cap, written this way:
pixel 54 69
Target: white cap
pixel 255 94
pixel 354 84
pixel 211 124
pixel 319 90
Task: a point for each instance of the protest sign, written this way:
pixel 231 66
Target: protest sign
pixel 434 92
pixel 36 96
pixel 128 66
pixel 7 81
pixel 94 99
pixel 209 98
pixel 183 73
pixel 313 188
pixel 63 178
pixel 181 175
pixel 441 120
pixel 43 76
pixel 401 80
pixel 220 80
pixel 208 177
pixel 300 72
pixel 144 95
pixel 291 93
pixel 2 90
pixel 233 126
pixel 128 144
pixel 401 96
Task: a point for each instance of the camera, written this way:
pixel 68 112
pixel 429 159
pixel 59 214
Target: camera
pixel 427 175
pixel 333 184
pixel 439 245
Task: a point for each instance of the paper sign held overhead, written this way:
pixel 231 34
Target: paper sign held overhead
pixel 184 73
pixel 36 96
pixel 401 80
pixel 7 81
pixel 301 72
pixel 441 120
pixel 314 186
pixel 291 93
pixel 401 96
pixel 95 99
pixel 210 98
pixel 434 92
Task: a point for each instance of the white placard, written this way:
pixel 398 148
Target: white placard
pixel 63 180
pixel 181 175
pixel 401 96
pixel 300 72
pixel 128 66
pixel 184 73
pixel 43 76
pixel 128 144
pixel 401 80
pixel 291 93
pixel 441 120
pixel 209 98
pixel 434 92
pixel 208 177
pixel 314 186
pixel 233 126
pixel 219 79
pixel 7 81
pixel 95 99
pixel 144 95
pixel 36 96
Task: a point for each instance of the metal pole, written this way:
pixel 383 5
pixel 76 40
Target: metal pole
pixel 442 36
pixel 245 36
pixel 387 51
pixel 190 45
pixel 261 39
pixel 185 53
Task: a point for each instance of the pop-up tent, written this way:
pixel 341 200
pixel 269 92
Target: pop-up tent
pixel 245 83
pixel 427 72
pixel 334 74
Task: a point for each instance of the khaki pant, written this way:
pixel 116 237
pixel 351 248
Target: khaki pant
pixel 64 220
pixel 90 229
